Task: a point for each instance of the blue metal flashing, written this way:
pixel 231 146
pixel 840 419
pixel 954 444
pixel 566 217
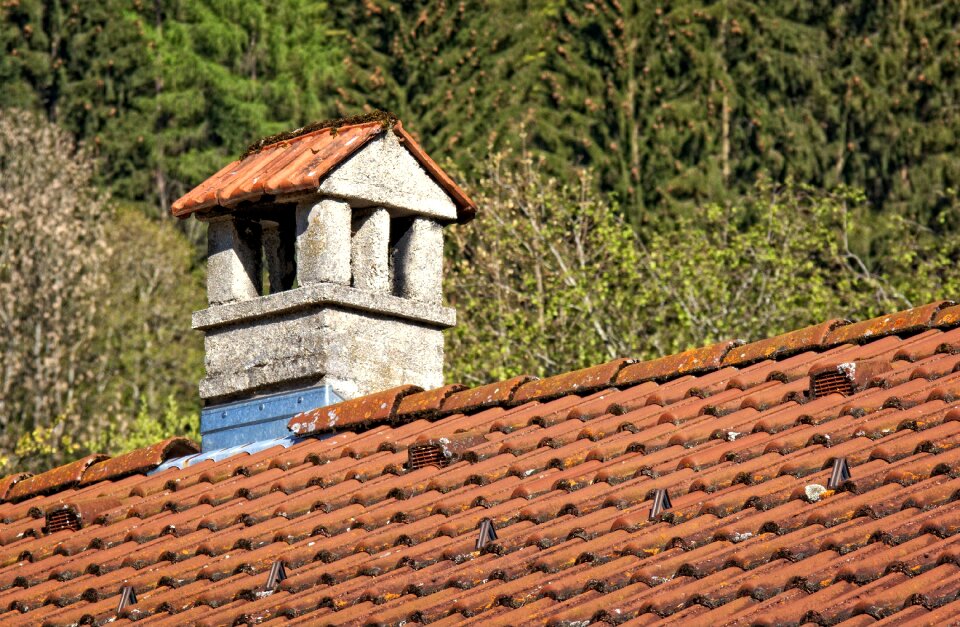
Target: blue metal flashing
pixel 242 423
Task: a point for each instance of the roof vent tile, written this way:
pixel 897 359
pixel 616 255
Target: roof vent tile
pixel 60 519
pixel 423 455
pixel 846 378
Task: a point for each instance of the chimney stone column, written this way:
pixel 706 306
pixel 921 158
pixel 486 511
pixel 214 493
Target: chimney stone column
pixel 370 250
pixel 234 260
pixel 418 262
pixel 323 242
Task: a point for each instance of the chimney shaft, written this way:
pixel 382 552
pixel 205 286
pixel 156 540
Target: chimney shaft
pixel 366 312
pixel 325 271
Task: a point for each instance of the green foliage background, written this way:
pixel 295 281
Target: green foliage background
pixel 651 175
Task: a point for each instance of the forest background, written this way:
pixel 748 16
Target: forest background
pixel 651 176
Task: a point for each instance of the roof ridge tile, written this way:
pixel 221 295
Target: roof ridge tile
pixel 481 397
pixel 907 321
pixel 53 480
pixel 580 381
pixel 427 404
pixel 139 461
pixel 362 411
pixel 783 345
pixel 947 317
pixel 693 361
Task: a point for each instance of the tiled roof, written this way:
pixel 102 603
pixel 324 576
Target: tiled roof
pixel 300 164
pixel 566 469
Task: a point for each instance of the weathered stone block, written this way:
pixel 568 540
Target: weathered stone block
pixel 418 262
pixel 233 260
pixel 369 259
pixel 350 339
pixel 323 242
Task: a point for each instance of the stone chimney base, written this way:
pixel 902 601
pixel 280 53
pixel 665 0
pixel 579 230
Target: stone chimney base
pixel 355 341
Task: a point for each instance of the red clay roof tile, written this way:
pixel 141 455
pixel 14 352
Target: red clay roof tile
pixel 11 480
pixel 567 485
pixel 908 321
pixel 693 361
pixel 809 338
pixel 139 461
pixel 357 413
pixel 575 382
pixel 300 163
pixel 54 480
pixel 427 403
pixel 497 393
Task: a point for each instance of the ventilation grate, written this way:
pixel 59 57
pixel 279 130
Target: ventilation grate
pixel 62 519
pixel 423 455
pixel 831 382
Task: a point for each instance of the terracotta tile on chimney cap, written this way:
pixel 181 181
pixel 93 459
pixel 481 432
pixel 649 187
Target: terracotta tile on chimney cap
pixel 497 393
pixel 576 382
pixel 139 461
pixel 365 410
pixel 54 480
pixel 696 360
pixel 907 321
pixel 809 338
pixel 427 403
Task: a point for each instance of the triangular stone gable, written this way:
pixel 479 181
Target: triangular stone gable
pixel 384 174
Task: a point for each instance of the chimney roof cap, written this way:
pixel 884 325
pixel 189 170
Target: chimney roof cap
pixel 298 160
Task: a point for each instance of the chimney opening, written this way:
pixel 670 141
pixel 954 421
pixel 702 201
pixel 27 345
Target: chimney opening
pixel 834 381
pixel 423 455
pixel 399 231
pixel 60 519
pixel 279 239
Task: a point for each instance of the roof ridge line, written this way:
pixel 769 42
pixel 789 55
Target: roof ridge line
pixel 386 119
pixel 623 372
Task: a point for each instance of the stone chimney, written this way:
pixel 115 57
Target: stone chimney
pixel 325 263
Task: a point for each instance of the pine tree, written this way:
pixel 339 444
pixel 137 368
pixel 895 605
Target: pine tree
pixel 468 76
